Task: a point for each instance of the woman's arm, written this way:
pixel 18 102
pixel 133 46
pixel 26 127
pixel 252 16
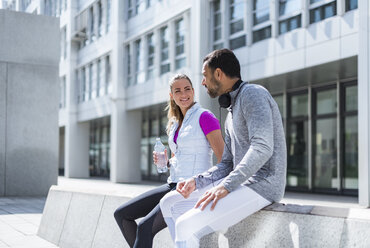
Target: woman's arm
pixel 217 143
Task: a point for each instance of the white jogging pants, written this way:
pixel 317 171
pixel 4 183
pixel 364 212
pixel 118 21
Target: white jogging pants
pixel 187 224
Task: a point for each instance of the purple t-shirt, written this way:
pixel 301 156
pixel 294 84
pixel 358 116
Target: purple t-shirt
pixel 207 122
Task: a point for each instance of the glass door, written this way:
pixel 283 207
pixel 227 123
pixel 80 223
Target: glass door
pixel 325 140
pixel 297 140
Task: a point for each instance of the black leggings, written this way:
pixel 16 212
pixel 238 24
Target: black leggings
pixel 141 235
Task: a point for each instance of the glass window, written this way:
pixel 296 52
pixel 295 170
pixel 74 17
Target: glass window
pixel 262 34
pixel 99 148
pixel 297 173
pixel 280 102
pixel 98 72
pixel 325 170
pixel 299 105
pixel 140 6
pixel 351 98
pixel 288 7
pixel 100 18
pixel 238 42
pixel 92 24
pixel 108 76
pixel 92 86
pixel 84 85
pixel 351 152
pixel 139 66
pixel 101 78
pixel 236 16
pixel 165 63
pixel 326 102
pixel 130 8
pixel 322 12
pixel 128 64
pixel 108 16
pixel 217 24
pixel 180 46
pixel 261 11
pixel 151 54
pixel 62 100
pixel 351 4
pixel 289 24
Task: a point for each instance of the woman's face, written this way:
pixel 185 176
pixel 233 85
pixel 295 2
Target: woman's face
pixel 183 94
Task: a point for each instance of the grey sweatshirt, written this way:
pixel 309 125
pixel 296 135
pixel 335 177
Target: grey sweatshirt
pixel 255 148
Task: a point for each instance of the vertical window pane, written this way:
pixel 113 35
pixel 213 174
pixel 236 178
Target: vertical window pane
pixel 326 102
pixel 351 4
pixel 299 105
pixel 165 65
pixel 139 73
pixel 280 102
pixel 329 10
pixel 217 25
pixel 326 175
pixel 351 153
pixel 261 11
pixel 236 16
pixel 297 173
pixel 351 98
pixel 283 27
pixel 151 52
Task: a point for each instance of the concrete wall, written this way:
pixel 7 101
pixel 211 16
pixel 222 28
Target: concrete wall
pixel 29 97
pixel 277 225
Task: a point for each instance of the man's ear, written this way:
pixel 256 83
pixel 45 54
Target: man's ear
pixel 218 74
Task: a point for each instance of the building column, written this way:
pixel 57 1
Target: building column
pixel 125 125
pixel 274 17
pixel 199 24
pixel 76 157
pixel 364 103
pixel 305 13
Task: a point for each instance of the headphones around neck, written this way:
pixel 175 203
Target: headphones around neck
pixel 225 99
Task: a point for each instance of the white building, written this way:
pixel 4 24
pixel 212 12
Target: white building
pixel 117 58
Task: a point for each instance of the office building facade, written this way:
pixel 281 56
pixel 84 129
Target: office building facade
pixel 118 56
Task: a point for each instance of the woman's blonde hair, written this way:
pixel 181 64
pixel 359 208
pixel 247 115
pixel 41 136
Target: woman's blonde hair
pixel 173 110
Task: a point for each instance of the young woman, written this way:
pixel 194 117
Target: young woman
pixel 193 132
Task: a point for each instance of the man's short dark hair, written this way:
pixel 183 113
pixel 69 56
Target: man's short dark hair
pixel 224 59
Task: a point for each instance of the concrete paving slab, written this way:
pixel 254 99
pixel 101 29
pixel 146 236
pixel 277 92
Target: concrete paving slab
pixel 81 222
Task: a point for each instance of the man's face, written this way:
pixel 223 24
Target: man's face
pixel 210 82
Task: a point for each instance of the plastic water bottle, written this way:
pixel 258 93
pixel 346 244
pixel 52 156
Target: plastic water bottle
pixel 161 163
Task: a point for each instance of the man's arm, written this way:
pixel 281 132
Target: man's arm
pixel 258 115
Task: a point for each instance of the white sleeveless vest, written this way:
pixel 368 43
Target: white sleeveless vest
pixel 193 154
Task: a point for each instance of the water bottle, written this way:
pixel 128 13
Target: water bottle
pixel 159 150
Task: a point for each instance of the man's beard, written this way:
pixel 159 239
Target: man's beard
pixel 214 92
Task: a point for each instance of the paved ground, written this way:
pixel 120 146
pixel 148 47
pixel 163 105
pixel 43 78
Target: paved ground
pixel 19 221
pixel 20 216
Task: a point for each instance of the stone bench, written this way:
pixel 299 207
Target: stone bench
pixel 85 219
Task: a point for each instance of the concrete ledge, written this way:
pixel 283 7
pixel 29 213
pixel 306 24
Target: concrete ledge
pixel 85 219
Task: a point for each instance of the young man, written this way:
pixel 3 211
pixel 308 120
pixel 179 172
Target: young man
pixel 251 174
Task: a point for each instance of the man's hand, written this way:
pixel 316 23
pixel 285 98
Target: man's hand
pixel 185 188
pixel 214 194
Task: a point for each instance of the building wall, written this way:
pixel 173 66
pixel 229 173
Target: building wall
pixel 29 55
